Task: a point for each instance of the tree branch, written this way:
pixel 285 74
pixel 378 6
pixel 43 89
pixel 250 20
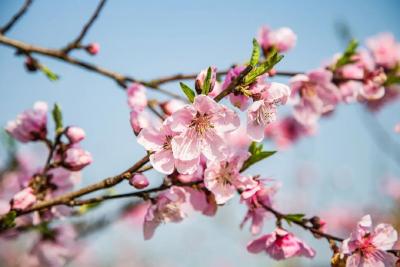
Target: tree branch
pixel 16 17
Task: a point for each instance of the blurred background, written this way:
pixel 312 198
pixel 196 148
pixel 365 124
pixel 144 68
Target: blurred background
pixel 339 173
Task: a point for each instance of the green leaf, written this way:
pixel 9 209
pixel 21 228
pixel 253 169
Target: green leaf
pixel 272 59
pixel 49 73
pixel 207 82
pixel 346 57
pixel 8 221
pixel 57 117
pixel 296 217
pixel 257 154
pixel 255 55
pixel 188 92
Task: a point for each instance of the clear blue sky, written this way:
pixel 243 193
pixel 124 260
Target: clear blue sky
pixel 151 38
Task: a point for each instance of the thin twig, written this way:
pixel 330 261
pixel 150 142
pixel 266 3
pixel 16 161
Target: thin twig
pixel 77 42
pixel 16 17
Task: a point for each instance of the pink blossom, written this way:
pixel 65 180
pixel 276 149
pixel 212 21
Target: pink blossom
pixel 62 180
pixel 171 106
pixel 199 82
pixel 75 134
pixel 373 85
pixel 392 93
pixel 23 199
pixel 223 178
pixel 280 245
pixel 238 100
pixel 317 95
pixel 29 125
pixel 397 128
pixel 367 247
pixel 76 159
pixel 202 126
pixel 263 112
pixel 350 90
pixel 202 201
pixel 93 48
pixel 137 99
pixel 283 39
pixel 139 120
pixel 139 181
pixel 238 138
pixel 384 49
pixel 255 198
pixel 4 207
pixel 287 131
pixel 167 208
pixel 162 158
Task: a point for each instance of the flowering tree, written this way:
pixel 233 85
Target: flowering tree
pixel 203 148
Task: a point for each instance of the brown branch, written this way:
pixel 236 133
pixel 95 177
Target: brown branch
pixel 77 42
pixel 60 55
pixel 16 17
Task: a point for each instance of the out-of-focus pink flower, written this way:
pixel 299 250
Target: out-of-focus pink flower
pixel 202 201
pixel 283 39
pixel 29 125
pixel 159 142
pixel 223 178
pixel 202 126
pixel 139 181
pixel 391 187
pixel 172 106
pixel 75 134
pixel 23 199
pixel 76 159
pixel 392 93
pixel 199 82
pixel 137 99
pixel 373 85
pixel 384 49
pixel 367 247
pixel 93 48
pixel 287 131
pixel 166 209
pixel 316 94
pixel 255 198
pixel 238 138
pixel 263 112
pixel 63 180
pixel 4 207
pixel 397 128
pixel 280 245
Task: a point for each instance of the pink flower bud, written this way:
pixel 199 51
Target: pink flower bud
pixel 137 99
pixel 77 158
pixel 171 106
pixel 93 48
pixel 23 199
pixel 75 134
pixel 139 181
pixel 30 125
pixel 283 39
pixel 199 83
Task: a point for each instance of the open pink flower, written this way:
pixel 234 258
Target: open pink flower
pixel 223 178
pixel 202 126
pixel 367 247
pixel 373 84
pixel 263 112
pixel 283 39
pixel 166 209
pixel 316 93
pixel 384 49
pixel 137 99
pixel 29 125
pixel 280 245
pixel 162 158
pixel 23 199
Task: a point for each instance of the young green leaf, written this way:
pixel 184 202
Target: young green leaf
pixel 207 82
pixel 254 158
pixel 49 73
pixel 255 55
pixel 392 79
pixel 296 217
pixel 57 117
pixel 8 221
pixel 188 92
pixel 272 59
pixel 346 57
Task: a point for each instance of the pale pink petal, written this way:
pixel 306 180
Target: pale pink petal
pixel 150 139
pixel 257 245
pixel 205 104
pixel 187 166
pixel 163 161
pixel 384 236
pixel 186 146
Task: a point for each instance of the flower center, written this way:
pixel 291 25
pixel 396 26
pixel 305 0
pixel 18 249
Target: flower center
pixel 225 175
pixel 169 212
pixel 167 142
pixel 201 123
pixel 265 114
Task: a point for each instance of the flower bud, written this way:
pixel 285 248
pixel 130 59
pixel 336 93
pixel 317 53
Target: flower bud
pixel 199 83
pixel 31 64
pixel 23 199
pixel 137 99
pixel 77 158
pixel 171 106
pixel 75 134
pixel 139 181
pixel 93 48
